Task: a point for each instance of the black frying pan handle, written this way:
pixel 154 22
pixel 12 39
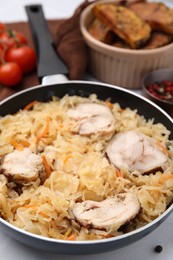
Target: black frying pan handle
pixel 49 63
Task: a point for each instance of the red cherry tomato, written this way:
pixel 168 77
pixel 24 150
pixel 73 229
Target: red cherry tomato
pixel 2 27
pixel 10 74
pixel 1 55
pixel 24 56
pixel 6 40
pixel 12 38
pixel 20 37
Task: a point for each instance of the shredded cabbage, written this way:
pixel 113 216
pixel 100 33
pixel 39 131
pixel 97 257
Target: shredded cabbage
pixel 80 170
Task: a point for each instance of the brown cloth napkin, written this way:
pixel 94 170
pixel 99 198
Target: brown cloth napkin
pixel 69 44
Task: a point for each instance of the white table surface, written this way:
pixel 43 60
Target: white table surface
pixel 10 249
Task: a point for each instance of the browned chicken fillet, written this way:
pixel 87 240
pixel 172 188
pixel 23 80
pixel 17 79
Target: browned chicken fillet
pixel 158 15
pixel 125 23
pixel 100 31
pixel 121 44
pixel 158 39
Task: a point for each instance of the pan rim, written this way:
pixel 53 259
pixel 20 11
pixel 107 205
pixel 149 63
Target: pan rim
pixel 129 91
pixel 164 215
pixel 159 219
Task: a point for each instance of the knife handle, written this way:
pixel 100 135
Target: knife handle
pixel 48 61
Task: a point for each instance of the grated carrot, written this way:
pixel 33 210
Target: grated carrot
pixel 30 105
pixel 16 145
pixel 155 193
pixel 45 130
pixel 25 143
pixel 165 177
pixel 68 232
pixel 67 158
pixel 109 104
pixel 43 214
pixel 60 125
pixel 71 237
pixel 118 173
pixel 32 206
pixel 46 165
pixel 163 149
pixel 60 128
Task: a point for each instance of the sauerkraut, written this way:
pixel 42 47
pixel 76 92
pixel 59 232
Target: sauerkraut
pixel 77 169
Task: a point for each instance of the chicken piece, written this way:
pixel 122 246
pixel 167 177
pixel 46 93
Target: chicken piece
pixel 125 23
pixel 121 44
pixel 158 39
pixel 92 118
pixel 109 214
pixel 22 166
pixel 158 15
pixel 101 32
pixel 135 151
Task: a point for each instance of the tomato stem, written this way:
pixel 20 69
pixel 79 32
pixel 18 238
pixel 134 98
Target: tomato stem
pixel 12 34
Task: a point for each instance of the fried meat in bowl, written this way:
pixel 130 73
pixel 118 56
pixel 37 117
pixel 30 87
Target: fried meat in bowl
pixel 120 53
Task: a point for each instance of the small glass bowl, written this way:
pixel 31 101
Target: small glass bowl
pixel 159 76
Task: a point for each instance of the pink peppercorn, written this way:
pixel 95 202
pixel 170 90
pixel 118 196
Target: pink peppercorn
pixel 162 90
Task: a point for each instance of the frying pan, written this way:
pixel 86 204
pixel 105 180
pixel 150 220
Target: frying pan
pixel 125 98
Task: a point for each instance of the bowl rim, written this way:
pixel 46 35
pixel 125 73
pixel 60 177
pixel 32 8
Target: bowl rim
pixel 112 49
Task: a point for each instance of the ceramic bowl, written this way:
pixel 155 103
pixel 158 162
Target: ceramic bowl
pixel 120 66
